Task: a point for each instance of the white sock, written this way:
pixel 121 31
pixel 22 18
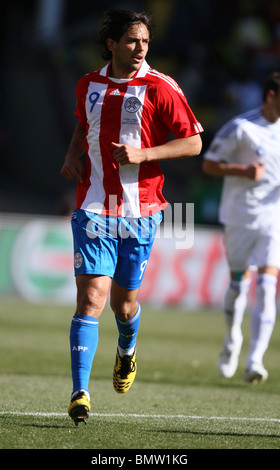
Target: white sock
pixel 234 307
pixel 263 317
pixel 78 391
pixel 126 352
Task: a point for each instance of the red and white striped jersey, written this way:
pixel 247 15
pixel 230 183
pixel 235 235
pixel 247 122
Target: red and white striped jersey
pixel 141 112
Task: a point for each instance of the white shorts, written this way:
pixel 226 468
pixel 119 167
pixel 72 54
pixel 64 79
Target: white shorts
pixel 250 247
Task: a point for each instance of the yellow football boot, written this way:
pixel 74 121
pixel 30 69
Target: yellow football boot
pixel 124 372
pixel 79 408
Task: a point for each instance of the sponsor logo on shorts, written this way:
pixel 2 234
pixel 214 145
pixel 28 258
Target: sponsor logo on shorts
pixel 78 261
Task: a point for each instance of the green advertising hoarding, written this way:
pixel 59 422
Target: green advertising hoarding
pixel 36 260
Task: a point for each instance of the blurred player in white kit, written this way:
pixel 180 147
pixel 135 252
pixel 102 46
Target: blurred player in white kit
pixel 246 152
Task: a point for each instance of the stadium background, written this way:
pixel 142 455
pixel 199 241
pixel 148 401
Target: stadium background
pixel 218 51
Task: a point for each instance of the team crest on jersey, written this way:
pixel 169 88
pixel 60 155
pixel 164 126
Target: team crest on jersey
pixel 78 260
pixel 132 104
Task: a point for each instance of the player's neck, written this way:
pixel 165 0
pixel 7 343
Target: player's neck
pixel 270 113
pixel 120 73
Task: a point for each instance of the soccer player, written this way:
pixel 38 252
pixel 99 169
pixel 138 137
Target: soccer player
pixel 125 113
pixel 246 152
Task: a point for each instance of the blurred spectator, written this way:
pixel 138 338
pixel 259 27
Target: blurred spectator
pixel 242 93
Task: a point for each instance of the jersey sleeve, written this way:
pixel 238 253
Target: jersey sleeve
pixel 224 145
pixel 176 112
pixel 80 111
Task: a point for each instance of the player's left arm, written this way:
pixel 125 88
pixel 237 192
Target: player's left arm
pixel 174 149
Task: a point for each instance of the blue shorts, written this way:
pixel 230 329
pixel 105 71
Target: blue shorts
pixel 117 247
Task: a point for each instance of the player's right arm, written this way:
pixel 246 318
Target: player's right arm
pixel 73 167
pixel 254 171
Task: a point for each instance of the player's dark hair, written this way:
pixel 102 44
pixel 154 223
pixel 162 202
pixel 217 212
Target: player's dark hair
pixel 116 22
pixel 272 82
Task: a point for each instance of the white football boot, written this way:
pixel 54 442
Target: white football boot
pixel 229 356
pixel 255 373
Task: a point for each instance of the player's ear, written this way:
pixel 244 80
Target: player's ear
pixel 271 94
pixel 110 44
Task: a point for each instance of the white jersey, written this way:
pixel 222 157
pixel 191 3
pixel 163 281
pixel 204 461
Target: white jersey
pixel 246 139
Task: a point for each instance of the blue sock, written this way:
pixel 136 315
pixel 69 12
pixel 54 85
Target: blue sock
pixel 128 330
pixel 83 344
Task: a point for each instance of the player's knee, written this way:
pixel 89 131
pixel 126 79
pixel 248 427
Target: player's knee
pixel 91 295
pixel 90 302
pixel 239 276
pixel 266 292
pixel 122 309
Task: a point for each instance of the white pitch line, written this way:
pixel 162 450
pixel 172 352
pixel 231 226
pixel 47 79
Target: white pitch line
pixel 149 416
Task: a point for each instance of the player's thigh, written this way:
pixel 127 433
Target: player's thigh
pixel 267 253
pixel 240 245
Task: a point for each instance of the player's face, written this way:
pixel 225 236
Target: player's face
pixel 129 53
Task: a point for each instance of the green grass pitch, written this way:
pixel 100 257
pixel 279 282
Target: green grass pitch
pixel 178 400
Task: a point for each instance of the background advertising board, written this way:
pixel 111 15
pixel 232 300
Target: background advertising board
pixel 37 265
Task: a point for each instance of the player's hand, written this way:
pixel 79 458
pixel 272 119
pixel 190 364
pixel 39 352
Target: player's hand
pixel 255 171
pixel 72 170
pixel 125 154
